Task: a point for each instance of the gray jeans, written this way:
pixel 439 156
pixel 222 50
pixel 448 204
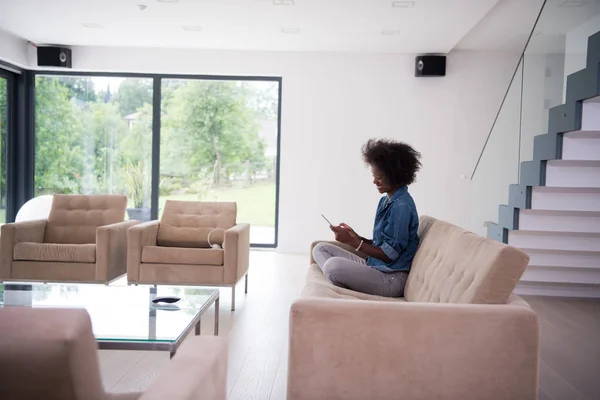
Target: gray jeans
pixel 349 271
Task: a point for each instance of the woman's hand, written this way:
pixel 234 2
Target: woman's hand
pixel 345 234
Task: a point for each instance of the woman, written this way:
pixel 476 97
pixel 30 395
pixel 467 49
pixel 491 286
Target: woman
pixel 394 166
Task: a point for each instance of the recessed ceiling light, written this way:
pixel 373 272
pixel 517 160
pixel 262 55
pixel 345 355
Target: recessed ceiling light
pixel 290 30
pixel 283 2
pixel 390 32
pixel 403 4
pixel 192 28
pixel 573 3
pixel 92 25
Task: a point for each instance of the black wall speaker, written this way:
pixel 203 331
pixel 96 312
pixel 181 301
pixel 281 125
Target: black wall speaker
pixel 54 57
pixel 430 66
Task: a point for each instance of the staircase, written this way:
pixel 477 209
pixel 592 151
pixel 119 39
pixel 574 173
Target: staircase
pixel 553 214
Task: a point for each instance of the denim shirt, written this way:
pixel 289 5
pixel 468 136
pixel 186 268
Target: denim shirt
pixel 395 231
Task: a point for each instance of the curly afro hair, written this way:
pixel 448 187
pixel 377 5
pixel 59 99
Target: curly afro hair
pixel 397 161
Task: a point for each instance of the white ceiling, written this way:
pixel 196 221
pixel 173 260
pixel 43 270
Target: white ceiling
pixel 509 24
pixel 431 26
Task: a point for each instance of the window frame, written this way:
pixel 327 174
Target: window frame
pixel 156 126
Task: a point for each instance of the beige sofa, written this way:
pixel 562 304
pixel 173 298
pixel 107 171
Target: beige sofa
pixel 51 354
pixel 175 250
pixel 458 334
pixel 83 240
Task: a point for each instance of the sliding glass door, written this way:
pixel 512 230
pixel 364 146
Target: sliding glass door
pixel 93 135
pixel 219 138
pixel 219 143
pixel 4 121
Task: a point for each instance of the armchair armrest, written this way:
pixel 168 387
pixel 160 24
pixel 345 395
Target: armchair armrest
pixel 197 372
pixel 138 236
pixel 17 232
pixel 111 250
pixel 237 252
pixel 342 245
pixel 353 349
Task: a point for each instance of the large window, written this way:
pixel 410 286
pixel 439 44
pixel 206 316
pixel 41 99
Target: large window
pixel 93 135
pixel 218 142
pixel 4 104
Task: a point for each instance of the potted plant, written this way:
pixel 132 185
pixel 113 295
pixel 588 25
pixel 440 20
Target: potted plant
pixel 137 180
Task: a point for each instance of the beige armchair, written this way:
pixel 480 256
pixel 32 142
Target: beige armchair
pixel 83 240
pixel 51 354
pixel 175 250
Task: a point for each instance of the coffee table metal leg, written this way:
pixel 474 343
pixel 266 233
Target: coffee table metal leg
pixel 217 317
pixel 246 284
pixel 198 326
pixel 233 298
pixel 171 353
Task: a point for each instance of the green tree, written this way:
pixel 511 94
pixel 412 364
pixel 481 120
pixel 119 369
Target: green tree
pixel 263 97
pixel 59 153
pixel 80 88
pixel 135 156
pixel 208 123
pixel 105 95
pixel 103 130
pixel 133 94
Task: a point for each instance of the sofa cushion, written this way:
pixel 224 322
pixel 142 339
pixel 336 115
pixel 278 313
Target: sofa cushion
pixel 74 218
pixel 179 255
pixel 456 266
pixel 81 253
pixel 317 285
pixel 188 223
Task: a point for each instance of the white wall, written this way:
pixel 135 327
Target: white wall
pixel 333 103
pixel 13 49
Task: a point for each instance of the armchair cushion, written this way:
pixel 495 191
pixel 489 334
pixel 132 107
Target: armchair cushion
pixel 28 251
pixel 73 219
pixel 188 223
pixel 178 255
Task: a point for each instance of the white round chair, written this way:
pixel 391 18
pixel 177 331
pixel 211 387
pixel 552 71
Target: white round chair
pixel 36 208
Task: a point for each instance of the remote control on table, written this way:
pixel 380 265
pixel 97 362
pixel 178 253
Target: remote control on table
pixel 166 299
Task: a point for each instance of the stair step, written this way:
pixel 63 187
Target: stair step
pixel 561 275
pixel 573 173
pixel 559 220
pixel 590 115
pixel 582 134
pixel 563 258
pixel 565 198
pixel 557 289
pixel 581 145
pixel 583 241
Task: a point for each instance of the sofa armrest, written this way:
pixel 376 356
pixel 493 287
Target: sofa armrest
pixel 237 252
pixel 198 371
pixel 342 245
pixel 111 250
pixel 138 236
pixel 353 349
pixel 17 232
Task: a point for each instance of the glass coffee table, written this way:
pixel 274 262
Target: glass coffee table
pixel 124 317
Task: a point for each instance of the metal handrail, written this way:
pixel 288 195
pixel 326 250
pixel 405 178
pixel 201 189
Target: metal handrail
pixel 508 89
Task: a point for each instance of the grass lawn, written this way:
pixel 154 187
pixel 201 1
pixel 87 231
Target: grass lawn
pixel 256 204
